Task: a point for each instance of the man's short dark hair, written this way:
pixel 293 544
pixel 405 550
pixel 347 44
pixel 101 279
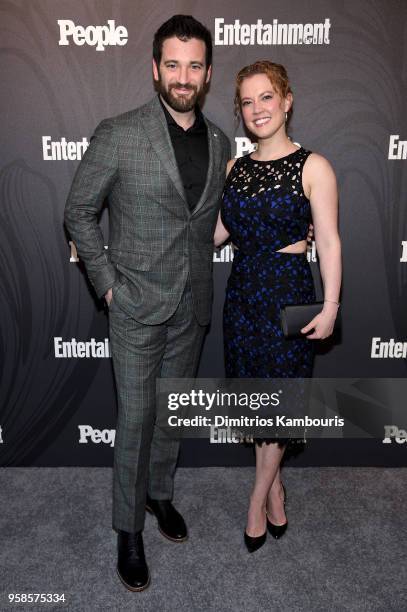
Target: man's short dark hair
pixel 183 27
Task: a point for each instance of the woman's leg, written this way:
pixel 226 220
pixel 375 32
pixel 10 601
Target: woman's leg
pixel 275 502
pixel 265 490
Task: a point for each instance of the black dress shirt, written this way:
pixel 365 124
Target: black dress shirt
pixel 192 154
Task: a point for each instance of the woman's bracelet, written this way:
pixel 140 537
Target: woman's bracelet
pixel 332 302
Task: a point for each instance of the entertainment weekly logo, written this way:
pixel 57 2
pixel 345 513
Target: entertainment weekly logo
pixel 389 349
pixel 397 147
pixel 63 149
pixel 227 435
pixel 94 36
pixel 274 33
pixel 78 349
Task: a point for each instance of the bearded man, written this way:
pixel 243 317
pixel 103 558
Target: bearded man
pixel 162 169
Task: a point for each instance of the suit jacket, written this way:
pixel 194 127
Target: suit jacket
pixel 155 242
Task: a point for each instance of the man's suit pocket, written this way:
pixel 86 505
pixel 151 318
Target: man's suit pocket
pixel 132 260
pixel 136 260
pixel 120 280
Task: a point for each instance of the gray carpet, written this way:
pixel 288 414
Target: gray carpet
pixel 345 548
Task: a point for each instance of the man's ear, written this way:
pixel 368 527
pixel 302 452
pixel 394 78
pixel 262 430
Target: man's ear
pixel 208 74
pixel 155 71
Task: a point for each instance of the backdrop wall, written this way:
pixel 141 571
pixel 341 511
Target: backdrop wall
pixel 61 74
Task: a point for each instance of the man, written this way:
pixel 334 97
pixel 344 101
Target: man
pixel 162 167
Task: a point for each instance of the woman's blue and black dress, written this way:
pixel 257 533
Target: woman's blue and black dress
pixel 265 209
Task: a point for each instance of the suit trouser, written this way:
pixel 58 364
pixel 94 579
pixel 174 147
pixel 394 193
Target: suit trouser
pixel 145 455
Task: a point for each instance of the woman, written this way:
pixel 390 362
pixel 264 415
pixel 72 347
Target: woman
pixel 268 200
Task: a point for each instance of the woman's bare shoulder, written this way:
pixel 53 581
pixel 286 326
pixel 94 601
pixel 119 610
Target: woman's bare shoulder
pixel 316 163
pixel 230 165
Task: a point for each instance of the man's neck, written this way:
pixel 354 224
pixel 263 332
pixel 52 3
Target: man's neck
pixel 184 120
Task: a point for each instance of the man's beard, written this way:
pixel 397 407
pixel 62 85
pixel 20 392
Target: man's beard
pixel 179 103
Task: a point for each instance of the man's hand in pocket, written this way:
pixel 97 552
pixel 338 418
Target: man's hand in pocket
pixel 108 296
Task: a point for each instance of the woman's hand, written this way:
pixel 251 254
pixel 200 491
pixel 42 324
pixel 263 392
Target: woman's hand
pixel 322 323
pixel 310 235
pixel 221 233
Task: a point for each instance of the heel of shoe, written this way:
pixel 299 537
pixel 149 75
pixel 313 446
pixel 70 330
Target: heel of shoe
pixel 276 531
pixel 132 568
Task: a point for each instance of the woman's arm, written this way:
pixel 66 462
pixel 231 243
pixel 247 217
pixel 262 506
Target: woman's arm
pixel 221 233
pixel 320 186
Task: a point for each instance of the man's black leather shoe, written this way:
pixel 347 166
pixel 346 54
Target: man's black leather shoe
pixel 170 522
pixel 131 566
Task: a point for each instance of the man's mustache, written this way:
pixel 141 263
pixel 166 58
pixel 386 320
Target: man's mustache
pixel 183 86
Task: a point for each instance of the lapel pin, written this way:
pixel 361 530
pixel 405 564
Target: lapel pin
pixel 215 134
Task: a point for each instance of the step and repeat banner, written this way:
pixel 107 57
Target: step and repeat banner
pixel 67 65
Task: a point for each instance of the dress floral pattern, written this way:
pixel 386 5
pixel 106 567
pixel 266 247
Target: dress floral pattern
pixel 264 209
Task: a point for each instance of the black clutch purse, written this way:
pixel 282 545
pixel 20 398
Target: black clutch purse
pixel 296 316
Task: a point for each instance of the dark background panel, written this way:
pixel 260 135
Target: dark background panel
pixel 349 97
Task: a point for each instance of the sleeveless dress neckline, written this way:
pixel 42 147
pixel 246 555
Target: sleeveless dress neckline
pixel 270 161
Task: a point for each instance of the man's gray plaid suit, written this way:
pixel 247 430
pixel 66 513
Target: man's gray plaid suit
pixel 159 266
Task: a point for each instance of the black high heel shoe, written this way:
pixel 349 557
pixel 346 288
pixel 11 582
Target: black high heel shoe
pixel 253 544
pixel 277 531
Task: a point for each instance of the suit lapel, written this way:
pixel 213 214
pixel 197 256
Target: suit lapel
pixel 213 146
pixel 157 131
pixel 158 134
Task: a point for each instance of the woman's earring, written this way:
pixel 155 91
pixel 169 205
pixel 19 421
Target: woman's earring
pixel 286 116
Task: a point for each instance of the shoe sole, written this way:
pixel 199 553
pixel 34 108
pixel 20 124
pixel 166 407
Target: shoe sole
pixel 130 588
pixel 184 539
